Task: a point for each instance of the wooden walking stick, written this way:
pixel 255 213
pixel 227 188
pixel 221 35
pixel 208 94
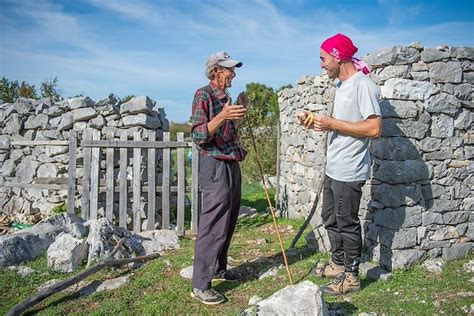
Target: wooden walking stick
pixel 243 99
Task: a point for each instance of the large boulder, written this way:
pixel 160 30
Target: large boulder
pixel 80 102
pixel 66 253
pixel 159 240
pixel 147 121
pixel 28 244
pixel 304 298
pixel 137 105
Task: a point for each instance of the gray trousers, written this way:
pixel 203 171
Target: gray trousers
pixel 340 214
pixel 220 182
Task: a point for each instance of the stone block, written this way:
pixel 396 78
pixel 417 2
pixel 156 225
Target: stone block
pixel 404 89
pixel 450 71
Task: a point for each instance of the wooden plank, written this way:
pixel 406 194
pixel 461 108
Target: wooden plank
pixel 143 189
pixel 87 135
pixel 181 187
pixel 165 197
pixel 95 165
pixel 195 198
pixel 109 178
pixel 123 183
pixel 40 143
pixel 102 188
pixel 137 157
pixel 134 144
pixel 151 182
pixel 71 188
pixel 50 180
pixel 42 186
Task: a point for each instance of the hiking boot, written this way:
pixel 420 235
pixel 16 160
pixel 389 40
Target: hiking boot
pixel 208 297
pixel 345 283
pixel 330 270
pixel 227 275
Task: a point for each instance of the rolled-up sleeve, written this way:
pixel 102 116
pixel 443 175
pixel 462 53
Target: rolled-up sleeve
pixel 200 118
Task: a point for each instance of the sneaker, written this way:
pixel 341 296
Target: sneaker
pixel 345 283
pixel 330 270
pixel 227 275
pixel 208 297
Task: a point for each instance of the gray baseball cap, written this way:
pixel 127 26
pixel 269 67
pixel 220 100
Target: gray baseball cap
pixel 222 59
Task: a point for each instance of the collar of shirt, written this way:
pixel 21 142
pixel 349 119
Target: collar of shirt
pixel 217 92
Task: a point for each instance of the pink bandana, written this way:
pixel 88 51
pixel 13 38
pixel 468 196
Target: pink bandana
pixel 340 47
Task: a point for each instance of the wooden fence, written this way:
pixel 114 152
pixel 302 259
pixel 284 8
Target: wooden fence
pixel 94 181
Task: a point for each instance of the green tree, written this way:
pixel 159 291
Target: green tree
pixel 261 120
pixel 179 127
pixel 49 89
pixel 9 90
pixel 27 91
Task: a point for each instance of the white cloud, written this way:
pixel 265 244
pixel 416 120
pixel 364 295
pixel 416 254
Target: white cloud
pixel 159 48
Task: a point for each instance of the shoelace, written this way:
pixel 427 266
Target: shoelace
pixel 213 292
pixel 340 279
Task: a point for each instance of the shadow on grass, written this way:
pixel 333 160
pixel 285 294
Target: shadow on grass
pixel 81 292
pixel 250 271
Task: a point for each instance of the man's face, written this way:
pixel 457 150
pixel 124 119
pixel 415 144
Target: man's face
pixel 226 75
pixel 330 64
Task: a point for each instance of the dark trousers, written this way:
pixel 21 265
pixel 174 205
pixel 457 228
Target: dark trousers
pixel 340 214
pixel 220 182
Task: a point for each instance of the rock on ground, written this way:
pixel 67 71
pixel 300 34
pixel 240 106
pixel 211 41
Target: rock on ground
pixel 159 240
pixel 254 300
pixel 66 253
pixel 187 272
pixel 434 266
pixel 304 298
pixel 28 244
pixel 272 271
pixel 22 270
pixel 373 272
pixel 469 267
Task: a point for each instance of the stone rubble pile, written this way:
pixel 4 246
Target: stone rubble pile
pixel 420 199
pixel 69 241
pixel 42 120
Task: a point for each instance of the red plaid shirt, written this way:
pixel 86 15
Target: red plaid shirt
pixel 224 143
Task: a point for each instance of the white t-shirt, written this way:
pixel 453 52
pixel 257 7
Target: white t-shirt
pixel 348 157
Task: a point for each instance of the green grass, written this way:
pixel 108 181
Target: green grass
pixel 157 288
pixel 254 196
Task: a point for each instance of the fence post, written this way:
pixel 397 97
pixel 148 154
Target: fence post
pixel 71 187
pixel 87 135
pixel 123 194
pixel 181 187
pixel 137 157
pixel 109 180
pixel 151 183
pixel 165 199
pixel 95 164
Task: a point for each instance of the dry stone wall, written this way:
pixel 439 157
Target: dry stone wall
pixel 29 120
pixel 419 201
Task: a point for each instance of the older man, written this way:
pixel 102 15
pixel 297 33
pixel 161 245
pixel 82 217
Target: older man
pixel 355 121
pixel 214 130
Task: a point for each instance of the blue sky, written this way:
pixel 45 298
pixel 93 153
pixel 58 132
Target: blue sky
pixel 159 48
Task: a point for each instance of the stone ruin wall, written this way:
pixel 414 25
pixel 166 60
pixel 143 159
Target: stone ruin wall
pixel 27 120
pixel 419 201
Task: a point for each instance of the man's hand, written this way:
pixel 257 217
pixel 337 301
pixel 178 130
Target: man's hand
pixel 232 112
pixel 323 123
pixel 306 119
